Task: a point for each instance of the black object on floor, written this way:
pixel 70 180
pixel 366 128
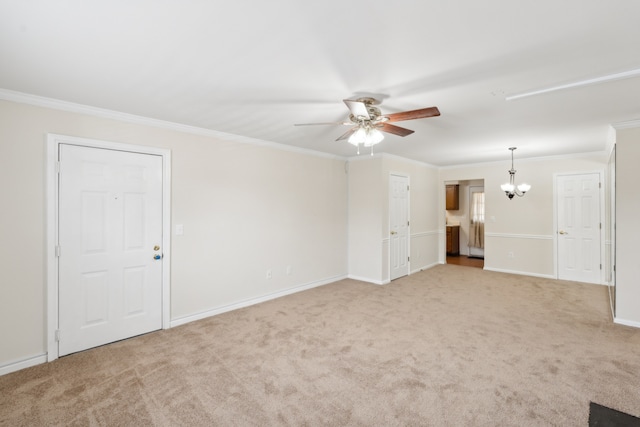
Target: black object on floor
pixel 601 416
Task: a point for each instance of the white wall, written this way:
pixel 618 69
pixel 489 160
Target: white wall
pixel 369 215
pixel 365 219
pixel 245 208
pixel 523 226
pixel 627 227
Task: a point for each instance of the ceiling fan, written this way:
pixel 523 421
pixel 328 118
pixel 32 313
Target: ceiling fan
pixel 367 121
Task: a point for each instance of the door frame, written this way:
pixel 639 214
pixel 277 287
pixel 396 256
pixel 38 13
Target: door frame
pixel 53 143
pixel 471 187
pixel 601 212
pixel 389 258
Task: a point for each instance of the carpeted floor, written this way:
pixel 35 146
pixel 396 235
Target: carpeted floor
pixel 452 346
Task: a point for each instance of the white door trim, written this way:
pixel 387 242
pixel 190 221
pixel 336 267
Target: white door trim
pixel 53 142
pixel 472 189
pixel 600 173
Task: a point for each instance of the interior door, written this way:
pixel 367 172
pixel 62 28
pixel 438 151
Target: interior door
pixel 399 226
pixel 579 232
pixel 110 259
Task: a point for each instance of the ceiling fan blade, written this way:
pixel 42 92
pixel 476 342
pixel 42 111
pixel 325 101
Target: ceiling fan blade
pixel 396 130
pixel 357 108
pixel 327 123
pixel 348 133
pixel 413 114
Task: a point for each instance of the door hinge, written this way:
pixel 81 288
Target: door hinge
pixel 57 335
pixel 407 188
pixel 58 167
pixel 408 258
pixel 57 251
pixel 407 223
pixel 600 266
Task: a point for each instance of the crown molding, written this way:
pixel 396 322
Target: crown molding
pixel 56 104
pixel 587 154
pixel 404 159
pixel 626 125
pixel 383 155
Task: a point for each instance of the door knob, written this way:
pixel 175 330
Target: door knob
pixel 562 232
pixel 156 248
pixel 157 256
pixel 394 232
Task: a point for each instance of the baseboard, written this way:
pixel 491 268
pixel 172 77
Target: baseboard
pixel 22 364
pixel 368 280
pixel 631 323
pixel 252 301
pixel 386 282
pixel 524 273
pixel 426 267
pixel 521 273
pixel 42 358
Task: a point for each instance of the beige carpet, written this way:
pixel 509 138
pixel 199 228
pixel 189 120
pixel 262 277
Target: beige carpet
pixel 448 346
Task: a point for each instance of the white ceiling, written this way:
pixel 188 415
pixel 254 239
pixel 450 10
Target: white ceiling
pixel 255 68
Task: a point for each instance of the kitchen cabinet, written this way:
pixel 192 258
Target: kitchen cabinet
pixel 453 197
pixel 453 240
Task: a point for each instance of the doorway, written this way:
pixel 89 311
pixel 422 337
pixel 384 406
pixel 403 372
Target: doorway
pixel 464 220
pixel 108 242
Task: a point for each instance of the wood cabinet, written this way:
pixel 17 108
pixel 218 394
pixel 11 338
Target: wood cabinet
pixel 453 240
pixel 453 197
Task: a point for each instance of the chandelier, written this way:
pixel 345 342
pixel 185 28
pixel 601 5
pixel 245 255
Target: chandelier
pixel 510 188
pixel 366 135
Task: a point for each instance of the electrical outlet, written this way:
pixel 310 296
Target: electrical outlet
pixel 269 275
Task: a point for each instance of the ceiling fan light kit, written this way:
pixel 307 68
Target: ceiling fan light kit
pixel 367 136
pixel 510 189
pixel 368 122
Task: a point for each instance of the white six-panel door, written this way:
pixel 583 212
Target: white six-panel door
pixel 398 226
pixel 110 254
pixel 579 233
